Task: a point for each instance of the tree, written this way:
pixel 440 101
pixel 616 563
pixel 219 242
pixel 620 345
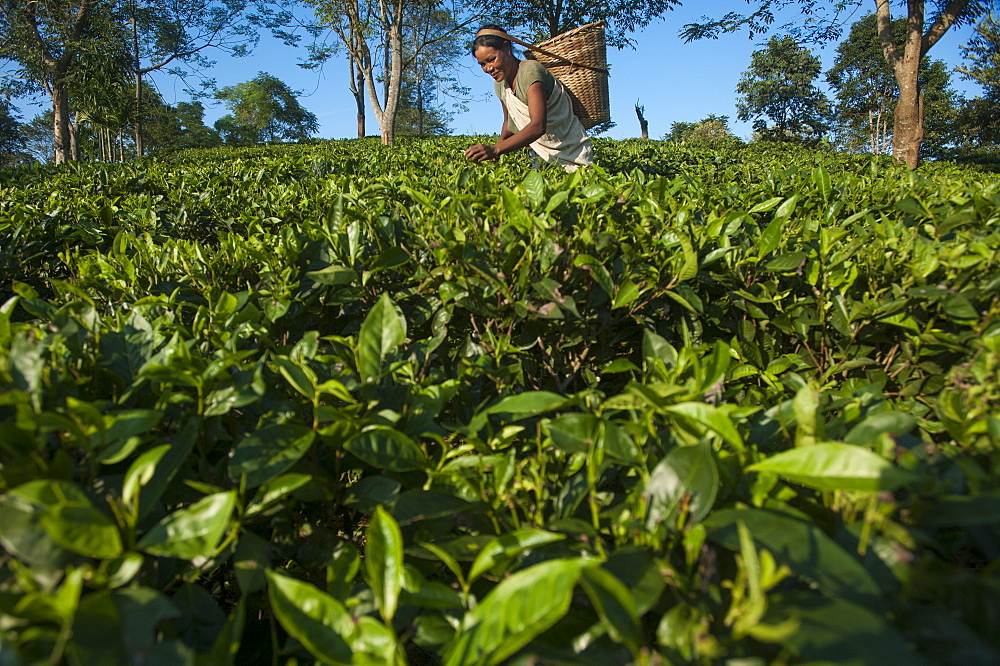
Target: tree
pixel 823 22
pixel 983 55
pixel 711 130
pixel 433 49
pixel 264 109
pixel 38 137
pixel 179 126
pixel 640 113
pixel 386 41
pixel 49 40
pixel 194 133
pixel 866 92
pixel 420 113
pixel 163 35
pixel 11 139
pixel 980 116
pixel 779 86
pixel 941 110
pixel 548 18
pixel 101 106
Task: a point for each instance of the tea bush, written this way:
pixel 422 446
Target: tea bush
pixel 349 404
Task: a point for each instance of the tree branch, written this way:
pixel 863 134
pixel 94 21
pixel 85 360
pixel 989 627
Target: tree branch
pixel 885 37
pixel 949 15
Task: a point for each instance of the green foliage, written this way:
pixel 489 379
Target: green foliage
pixel 821 22
pixel 548 18
pixel 983 56
pixel 264 109
pixel 11 138
pixel 181 126
pixel 346 403
pixel 779 86
pixel 710 132
pixel 979 117
pixel 420 112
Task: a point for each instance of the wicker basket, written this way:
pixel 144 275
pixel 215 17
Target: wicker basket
pixel 579 59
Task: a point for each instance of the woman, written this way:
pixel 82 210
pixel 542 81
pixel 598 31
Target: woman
pixel 537 111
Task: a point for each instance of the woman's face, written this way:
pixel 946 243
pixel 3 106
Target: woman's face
pixel 498 63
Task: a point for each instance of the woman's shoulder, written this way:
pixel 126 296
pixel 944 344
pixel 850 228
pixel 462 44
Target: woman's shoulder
pixel 534 69
pixel 531 71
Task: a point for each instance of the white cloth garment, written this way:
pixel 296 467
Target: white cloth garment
pixel 564 140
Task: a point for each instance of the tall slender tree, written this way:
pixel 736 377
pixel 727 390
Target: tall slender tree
pixel 11 137
pixel 172 36
pixel 982 55
pixel 824 21
pixel 387 41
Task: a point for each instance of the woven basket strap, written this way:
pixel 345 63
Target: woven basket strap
pixel 504 35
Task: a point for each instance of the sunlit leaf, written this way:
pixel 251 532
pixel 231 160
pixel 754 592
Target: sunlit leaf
pixel 193 532
pixel 835 466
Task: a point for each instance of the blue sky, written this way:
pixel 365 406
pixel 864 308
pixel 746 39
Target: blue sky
pixel 674 81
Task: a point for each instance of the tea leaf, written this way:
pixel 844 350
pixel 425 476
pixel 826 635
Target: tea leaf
pixel 265 454
pixel 686 480
pixel 521 607
pixel 82 529
pixel 193 532
pixel 386 448
pixel 384 561
pixel 505 548
pixel 835 466
pixel 312 617
pixel 615 606
pixel 383 330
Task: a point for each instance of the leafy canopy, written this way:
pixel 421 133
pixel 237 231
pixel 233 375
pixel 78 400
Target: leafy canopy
pixel 11 139
pixel 548 18
pixel 264 109
pixel 823 20
pixel 980 116
pixel 779 87
pixel 712 130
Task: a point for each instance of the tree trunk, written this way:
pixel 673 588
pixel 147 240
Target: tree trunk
pixel 908 118
pixel 356 81
pixel 420 102
pixel 643 125
pixel 74 139
pixel 359 99
pixel 60 125
pixel 872 129
pixel 908 121
pixel 387 121
pixel 137 121
pixel 137 68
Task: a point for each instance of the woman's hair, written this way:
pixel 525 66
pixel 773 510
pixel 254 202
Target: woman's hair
pixel 492 41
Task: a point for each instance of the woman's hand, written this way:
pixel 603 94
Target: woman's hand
pixel 481 153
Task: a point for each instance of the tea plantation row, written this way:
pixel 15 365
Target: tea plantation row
pixel 339 403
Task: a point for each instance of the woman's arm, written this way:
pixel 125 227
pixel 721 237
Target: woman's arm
pixel 525 136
